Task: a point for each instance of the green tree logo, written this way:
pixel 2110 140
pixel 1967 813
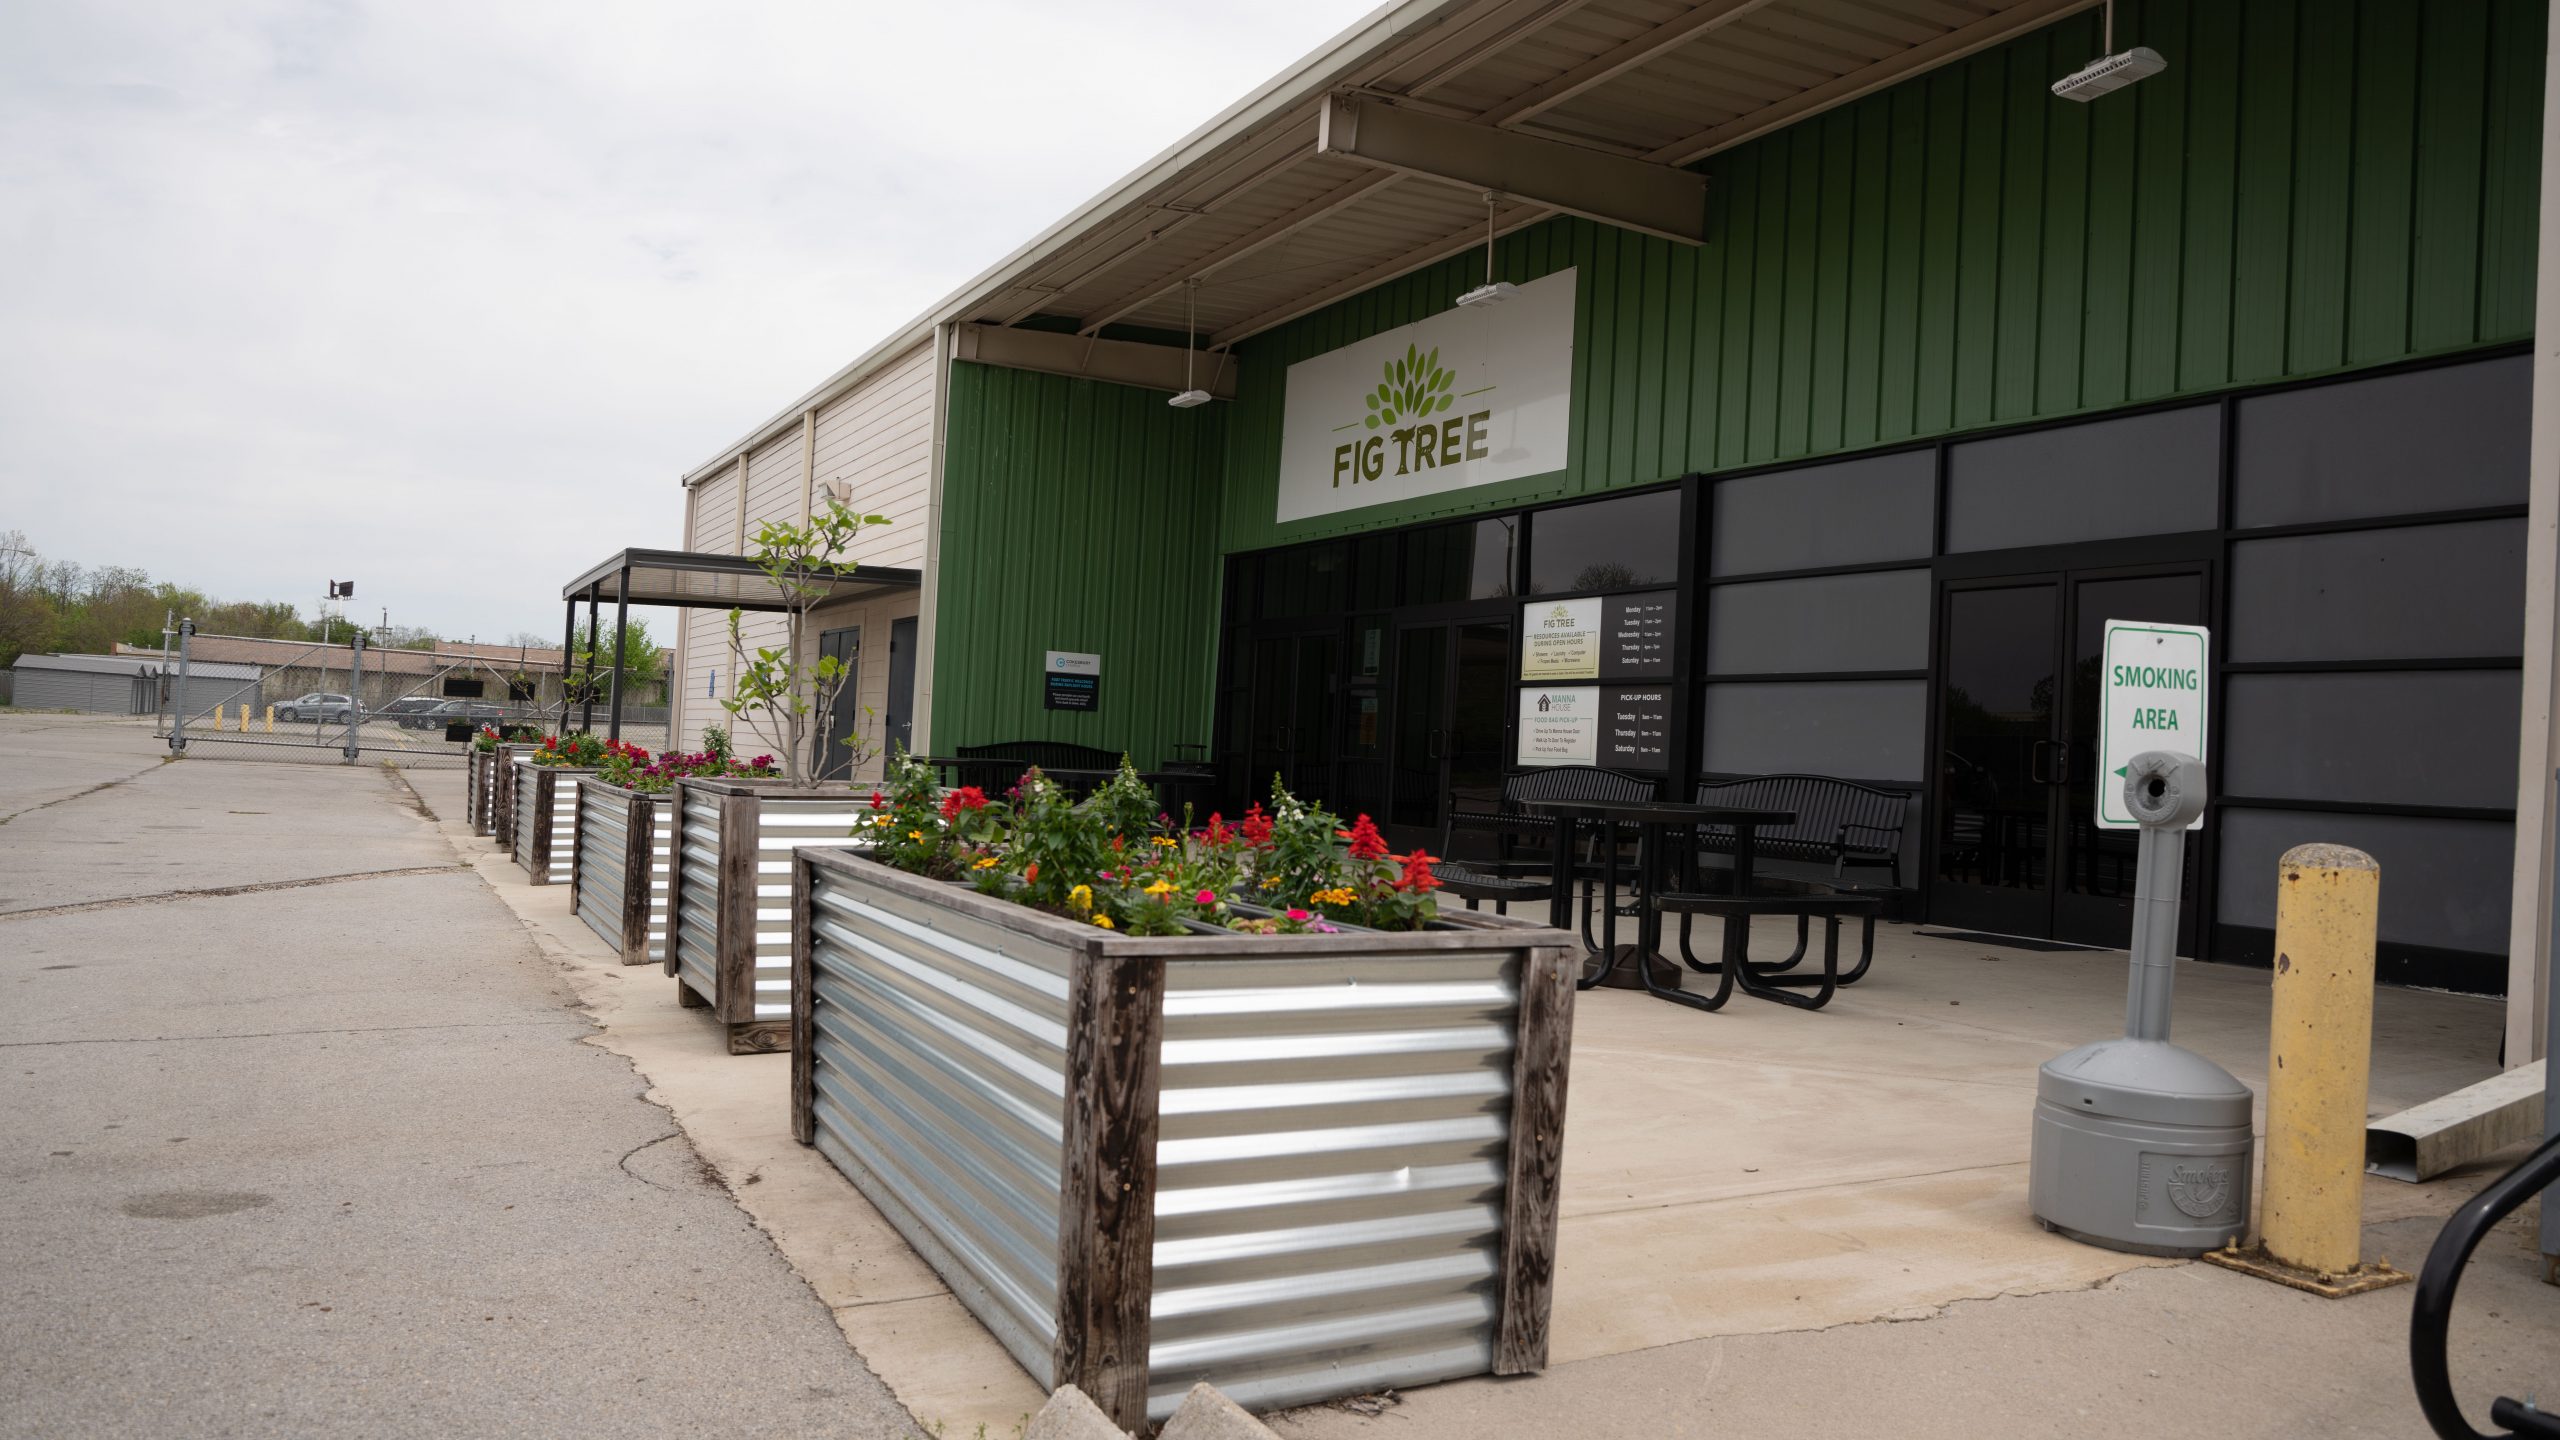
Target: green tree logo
pixel 1415 387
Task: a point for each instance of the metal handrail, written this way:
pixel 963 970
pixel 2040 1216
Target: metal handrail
pixel 2431 1311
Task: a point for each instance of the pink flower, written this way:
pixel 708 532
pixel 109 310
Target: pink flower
pixel 1205 897
pixel 1300 915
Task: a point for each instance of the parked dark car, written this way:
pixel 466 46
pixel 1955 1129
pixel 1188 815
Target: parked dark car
pixel 406 710
pixel 474 713
pixel 318 705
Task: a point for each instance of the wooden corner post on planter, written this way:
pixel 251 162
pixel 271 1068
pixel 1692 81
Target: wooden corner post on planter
pixel 728 890
pixel 618 879
pixel 502 794
pixel 1294 1166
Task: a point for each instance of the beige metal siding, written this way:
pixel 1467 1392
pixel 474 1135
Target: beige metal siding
pixel 878 438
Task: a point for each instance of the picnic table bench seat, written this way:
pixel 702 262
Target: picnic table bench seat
pixel 1507 877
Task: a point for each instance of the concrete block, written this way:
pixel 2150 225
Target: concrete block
pixel 1072 1415
pixel 1207 1415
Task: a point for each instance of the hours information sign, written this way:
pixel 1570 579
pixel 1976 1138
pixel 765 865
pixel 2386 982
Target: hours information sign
pixel 1635 729
pixel 1636 642
pixel 2152 693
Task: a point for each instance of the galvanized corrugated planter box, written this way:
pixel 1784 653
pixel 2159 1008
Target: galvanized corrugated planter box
pixel 729 895
pixel 1297 1167
pixel 546 820
pixel 480 790
pixel 502 794
pixel 618 879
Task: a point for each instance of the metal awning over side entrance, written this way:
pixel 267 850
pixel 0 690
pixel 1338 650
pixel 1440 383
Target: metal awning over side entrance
pixel 689 578
pixel 702 580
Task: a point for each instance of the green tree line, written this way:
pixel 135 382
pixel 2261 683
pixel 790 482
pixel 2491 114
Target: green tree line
pixel 57 606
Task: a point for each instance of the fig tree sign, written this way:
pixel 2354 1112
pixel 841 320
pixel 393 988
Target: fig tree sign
pixel 1466 397
pixel 2151 697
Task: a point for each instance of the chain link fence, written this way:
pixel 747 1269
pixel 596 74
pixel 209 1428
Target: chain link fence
pixel 348 703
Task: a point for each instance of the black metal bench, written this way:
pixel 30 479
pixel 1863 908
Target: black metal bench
pixel 1841 821
pixel 1509 877
pixel 994 768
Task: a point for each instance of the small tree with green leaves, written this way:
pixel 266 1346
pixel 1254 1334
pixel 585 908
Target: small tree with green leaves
pixel 778 691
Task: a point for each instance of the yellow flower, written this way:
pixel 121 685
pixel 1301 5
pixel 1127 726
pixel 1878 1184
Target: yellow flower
pixel 1271 883
pixel 1105 922
pixel 1338 895
pixel 983 862
pixel 915 834
pixel 1081 897
pixel 1161 887
pixel 1166 841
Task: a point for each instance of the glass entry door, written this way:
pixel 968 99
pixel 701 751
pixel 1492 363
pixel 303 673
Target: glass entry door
pixel 1451 685
pixel 2017 849
pixel 844 711
pixel 1291 734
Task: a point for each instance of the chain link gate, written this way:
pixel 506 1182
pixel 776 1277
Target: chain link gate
pixel 352 703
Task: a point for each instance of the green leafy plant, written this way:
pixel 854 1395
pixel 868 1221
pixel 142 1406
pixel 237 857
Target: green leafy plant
pixel 778 692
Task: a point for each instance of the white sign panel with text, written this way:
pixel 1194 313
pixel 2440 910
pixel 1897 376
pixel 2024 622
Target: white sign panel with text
pixel 2151 697
pixel 1473 396
pixel 1560 725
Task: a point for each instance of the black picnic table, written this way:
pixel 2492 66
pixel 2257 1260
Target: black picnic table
pixel 1641 965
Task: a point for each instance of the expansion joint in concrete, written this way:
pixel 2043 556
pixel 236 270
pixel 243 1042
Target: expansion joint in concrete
pixel 217 892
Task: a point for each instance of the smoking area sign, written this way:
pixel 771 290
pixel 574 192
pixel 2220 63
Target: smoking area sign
pixel 2151 697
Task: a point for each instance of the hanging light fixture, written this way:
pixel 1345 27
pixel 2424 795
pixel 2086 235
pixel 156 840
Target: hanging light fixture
pixel 1191 395
pixel 2110 71
pixel 1492 291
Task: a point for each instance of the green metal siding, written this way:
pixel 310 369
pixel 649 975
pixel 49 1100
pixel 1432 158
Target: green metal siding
pixel 2313 185
pixel 1076 516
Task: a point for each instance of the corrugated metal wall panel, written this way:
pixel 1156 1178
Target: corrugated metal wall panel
pixel 2308 187
pixel 1329 1173
pixel 1078 516
pixel 696 928
pixel 604 858
pixel 783 822
pixel 879 438
pixel 958 1139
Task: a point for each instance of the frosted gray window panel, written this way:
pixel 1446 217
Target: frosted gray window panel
pixel 1856 512
pixel 2143 475
pixel 2444 882
pixel 1606 544
pixel 1859 729
pixel 1877 621
pixel 2423 592
pixel 2451 438
pixel 2405 737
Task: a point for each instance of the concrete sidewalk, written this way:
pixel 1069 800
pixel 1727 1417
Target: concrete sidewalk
pixel 332 1158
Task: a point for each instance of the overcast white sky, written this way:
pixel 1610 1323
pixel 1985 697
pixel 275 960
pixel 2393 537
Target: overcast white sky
pixel 291 290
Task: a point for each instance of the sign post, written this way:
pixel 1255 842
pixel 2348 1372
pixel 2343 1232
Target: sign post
pixel 2152 697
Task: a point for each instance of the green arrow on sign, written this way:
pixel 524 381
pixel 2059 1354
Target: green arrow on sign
pixel 2121 769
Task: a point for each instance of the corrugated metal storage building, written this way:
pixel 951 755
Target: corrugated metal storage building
pixel 128 685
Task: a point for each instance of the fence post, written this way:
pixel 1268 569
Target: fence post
pixel 178 699
pixel 355 698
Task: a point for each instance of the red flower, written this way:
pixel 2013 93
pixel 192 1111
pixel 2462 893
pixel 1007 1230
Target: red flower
pixel 877 801
pixel 1366 842
pixel 967 797
pixel 1220 833
pixel 1257 826
pixel 1031 873
pixel 1417 876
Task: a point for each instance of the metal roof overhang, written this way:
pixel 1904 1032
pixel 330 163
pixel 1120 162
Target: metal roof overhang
pixel 717 582
pixel 1275 225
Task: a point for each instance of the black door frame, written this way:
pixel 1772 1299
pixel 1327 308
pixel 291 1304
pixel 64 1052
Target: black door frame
pixel 1450 620
pixel 2199 552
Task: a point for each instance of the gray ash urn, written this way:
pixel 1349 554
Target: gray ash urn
pixel 2140 1145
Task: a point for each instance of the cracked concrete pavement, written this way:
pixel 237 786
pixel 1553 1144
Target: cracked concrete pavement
pixel 305 1138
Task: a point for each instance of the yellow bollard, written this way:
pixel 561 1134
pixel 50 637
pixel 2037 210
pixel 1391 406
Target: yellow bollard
pixel 218 713
pixel 271 719
pixel 2319 1059
pixel 244 717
